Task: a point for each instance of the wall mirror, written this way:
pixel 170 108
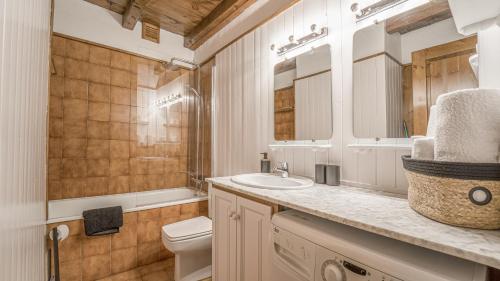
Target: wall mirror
pixel 303 96
pixel 401 66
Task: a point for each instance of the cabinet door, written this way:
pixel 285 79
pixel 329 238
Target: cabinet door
pixel 253 235
pixel 223 235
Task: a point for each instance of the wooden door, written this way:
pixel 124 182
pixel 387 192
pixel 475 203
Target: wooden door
pixel 223 235
pixel 439 70
pixel 253 236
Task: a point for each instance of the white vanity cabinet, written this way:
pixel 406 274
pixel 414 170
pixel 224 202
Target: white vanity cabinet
pixel 241 238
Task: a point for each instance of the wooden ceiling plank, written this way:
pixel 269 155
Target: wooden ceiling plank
pixel 422 16
pixel 132 15
pixel 226 11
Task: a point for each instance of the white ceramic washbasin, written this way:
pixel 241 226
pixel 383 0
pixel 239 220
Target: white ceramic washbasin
pixel 271 181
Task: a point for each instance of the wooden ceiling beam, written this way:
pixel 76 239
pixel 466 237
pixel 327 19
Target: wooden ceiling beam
pixel 226 11
pixel 419 17
pixel 132 15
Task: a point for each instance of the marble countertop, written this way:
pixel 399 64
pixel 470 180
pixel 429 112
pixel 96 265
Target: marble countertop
pixel 384 214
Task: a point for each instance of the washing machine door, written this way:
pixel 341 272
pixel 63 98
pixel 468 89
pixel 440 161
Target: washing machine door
pixel 282 271
pixel 293 257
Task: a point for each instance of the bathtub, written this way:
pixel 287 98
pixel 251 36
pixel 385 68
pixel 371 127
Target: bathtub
pixel 71 209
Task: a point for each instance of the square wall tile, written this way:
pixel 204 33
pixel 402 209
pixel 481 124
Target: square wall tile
pixel 75 89
pixel 56 86
pixel 58 63
pixel 120 113
pixel 71 270
pixel 56 127
pixel 123 259
pixel 98 130
pixel 119 184
pixel 127 237
pixel 74 168
pixel 56 107
pixel 58 46
pixel 54 189
pixel 120 95
pixel 99 74
pixel 74 148
pixel 155 182
pixel 71 249
pixel 119 149
pixel 120 60
pixel 74 128
pixel 119 167
pixel 147 215
pixel 77 50
pixel 99 92
pixel 120 78
pixel 73 188
pixel 97 245
pixel 97 186
pixel 76 69
pixel 54 169
pixel 99 55
pixel 97 148
pixel 97 167
pixel 138 183
pixel 95 267
pixel 74 110
pixel 119 131
pixel 99 111
pixel 189 210
pixel 148 253
pixel 148 231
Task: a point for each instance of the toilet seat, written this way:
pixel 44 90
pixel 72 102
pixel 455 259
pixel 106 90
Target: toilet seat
pixel 187 229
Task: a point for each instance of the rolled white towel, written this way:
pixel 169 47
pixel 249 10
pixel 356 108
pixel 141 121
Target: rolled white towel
pixel 432 123
pixel 468 127
pixel 423 148
pixel 413 138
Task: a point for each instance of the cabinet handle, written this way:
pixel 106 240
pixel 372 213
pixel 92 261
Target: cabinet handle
pixel 236 217
pixel 231 215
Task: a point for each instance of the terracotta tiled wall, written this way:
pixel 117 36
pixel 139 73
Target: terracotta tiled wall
pixel 137 244
pixel 106 135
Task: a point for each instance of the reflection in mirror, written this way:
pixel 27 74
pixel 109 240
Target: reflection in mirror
pixel 303 96
pixel 401 66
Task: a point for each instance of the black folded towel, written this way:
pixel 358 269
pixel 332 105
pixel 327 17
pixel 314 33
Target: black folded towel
pixel 103 221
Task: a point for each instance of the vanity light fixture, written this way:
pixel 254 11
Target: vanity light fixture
pixel 380 6
pixel 168 100
pixel 294 44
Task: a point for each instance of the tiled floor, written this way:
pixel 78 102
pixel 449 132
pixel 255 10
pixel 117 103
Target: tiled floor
pixel 160 271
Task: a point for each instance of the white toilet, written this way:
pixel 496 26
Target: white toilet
pixel 191 242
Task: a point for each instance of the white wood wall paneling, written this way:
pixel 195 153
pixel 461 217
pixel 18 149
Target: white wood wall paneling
pixel 370 168
pixel 24 74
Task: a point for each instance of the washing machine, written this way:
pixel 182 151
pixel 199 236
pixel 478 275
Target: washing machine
pixel 308 248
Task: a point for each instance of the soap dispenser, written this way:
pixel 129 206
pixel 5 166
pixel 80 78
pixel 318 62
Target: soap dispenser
pixel 265 164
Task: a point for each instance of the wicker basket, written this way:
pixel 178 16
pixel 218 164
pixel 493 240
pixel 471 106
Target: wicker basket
pixel 461 194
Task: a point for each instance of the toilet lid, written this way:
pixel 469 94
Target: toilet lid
pixel 187 229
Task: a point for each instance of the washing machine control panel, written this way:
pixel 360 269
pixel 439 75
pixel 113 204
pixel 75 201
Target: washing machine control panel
pixel 331 266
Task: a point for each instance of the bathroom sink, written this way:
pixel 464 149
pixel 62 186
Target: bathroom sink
pixel 271 181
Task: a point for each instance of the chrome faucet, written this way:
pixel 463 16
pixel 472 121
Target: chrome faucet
pixel 282 168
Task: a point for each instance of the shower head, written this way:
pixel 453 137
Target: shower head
pixel 176 63
pixel 170 66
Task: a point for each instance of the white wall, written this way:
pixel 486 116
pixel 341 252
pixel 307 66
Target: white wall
pixel 84 20
pixel 24 65
pixel 489 57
